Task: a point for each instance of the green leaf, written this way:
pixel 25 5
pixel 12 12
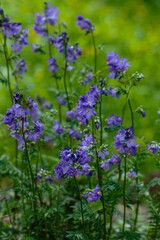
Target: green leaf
pixel 77 236
pixel 129 236
pixel 95 206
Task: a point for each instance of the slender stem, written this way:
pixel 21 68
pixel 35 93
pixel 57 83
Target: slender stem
pixel 125 103
pixel 124 193
pixel 100 118
pixel 81 203
pixel 65 85
pixel 32 177
pixel 110 227
pixel 57 213
pixel 95 56
pixel 137 207
pixel 100 184
pixel 132 116
pixel 7 64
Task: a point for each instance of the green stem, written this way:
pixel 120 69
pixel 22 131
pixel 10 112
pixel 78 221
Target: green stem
pixel 7 64
pixel 95 56
pixel 132 116
pixel 81 203
pixel 124 194
pixel 100 184
pixel 65 85
pixel 100 118
pixel 32 177
pixel 110 227
pixel 137 206
pixel 57 213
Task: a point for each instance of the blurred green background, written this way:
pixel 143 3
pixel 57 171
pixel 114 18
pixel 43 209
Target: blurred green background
pixel 130 28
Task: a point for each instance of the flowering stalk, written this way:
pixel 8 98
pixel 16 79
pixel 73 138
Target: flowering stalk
pixel 57 213
pixel 124 194
pixel 95 56
pixel 81 203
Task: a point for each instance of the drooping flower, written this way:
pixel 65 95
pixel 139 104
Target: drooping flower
pixel 61 101
pixel 114 92
pixel 103 153
pixel 20 67
pixel 153 147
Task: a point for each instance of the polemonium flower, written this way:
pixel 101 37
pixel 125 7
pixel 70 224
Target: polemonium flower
pixel 20 67
pixel 153 147
pixel 84 24
pixel 74 134
pixel 114 120
pixel 116 64
pixel 61 101
pixel 93 195
pixel 57 128
pixel 52 65
pixel 114 92
pixel 132 174
pixel 103 153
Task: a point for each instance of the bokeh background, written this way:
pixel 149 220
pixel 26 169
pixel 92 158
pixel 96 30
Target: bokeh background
pixel 130 28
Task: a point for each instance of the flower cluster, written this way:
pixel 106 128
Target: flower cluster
pixel 14 31
pixel 85 108
pixel 52 65
pixel 73 164
pixel 116 64
pixel 153 147
pixel 17 118
pixel 61 101
pixel 57 128
pixel 93 195
pixel 49 17
pixel 115 159
pixel 74 134
pixel 20 67
pixel 114 120
pixel 125 142
pixel 84 24
pixel 44 175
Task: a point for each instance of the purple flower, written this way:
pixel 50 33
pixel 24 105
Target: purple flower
pixel 153 148
pixel 20 67
pixel 74 134
pixel 57 128
pixel 114 92
pixel 20 41
pixel 44 103
pixel 49 17
pixel 114 120
pixel 86 142
pixel 61 101
pixel 84 24
pixel 125 142
pixel 52 65
pixel 93 195
pixel 132 174
pixel 158 112
pixel 116 64
pixel 102 154
pixel 17 97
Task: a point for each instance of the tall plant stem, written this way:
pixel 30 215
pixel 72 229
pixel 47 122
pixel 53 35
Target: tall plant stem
pixel 57 213
pixel 81 203
pixel 110 227
pixel 100 118
pixel 65 85
pixel 100 183
pixel 32 177
pixel 7 65
pixel 95 57
pixel 132 116
pixel 124 194
pixel 137 207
